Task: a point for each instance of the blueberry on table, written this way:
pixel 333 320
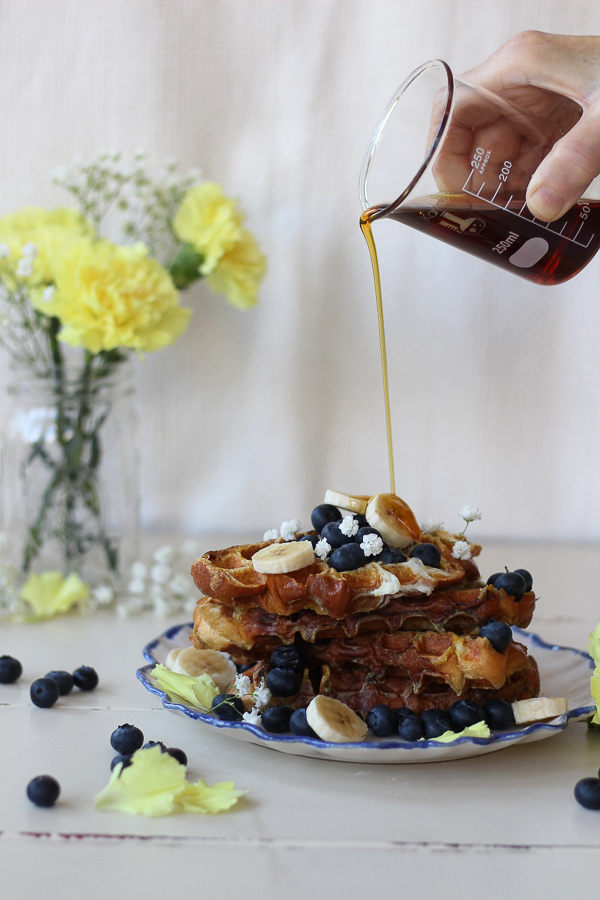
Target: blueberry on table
pixel 587 793
pixel 10 669
pixel 44 692
pixel 299 724
pixel 511 583
pixel 323 514
pixel 288 656
pixel 126 739
pixel 429 555
pixel 311 538
pixel 527 578
pixel 121 758
pixel 499 634
pixel 178 754
pixel 382 720
pixel 283 682
pixel 85 678
pixel 499 714
pixel 43 790
pixel 348 557
pixel 228 707
pixel 410 728
pixel 276 719
pixel 335 537
pixel 163 747
pixel 435 723
pixel 463 713
pixel 63 679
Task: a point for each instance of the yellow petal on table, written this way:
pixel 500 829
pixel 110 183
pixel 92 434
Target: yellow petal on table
pixel 51 593
pixel 148 787
pixel 197 691
pixel 202 798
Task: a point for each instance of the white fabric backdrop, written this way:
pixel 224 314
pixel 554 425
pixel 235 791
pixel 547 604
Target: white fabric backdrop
pixel 495 383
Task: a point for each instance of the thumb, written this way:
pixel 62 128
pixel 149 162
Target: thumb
pixel 563 176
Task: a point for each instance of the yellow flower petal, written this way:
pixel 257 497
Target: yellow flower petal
pixel 593 647
pixel 50 593
pixel 198 691
pixel 239 272
pixel 202 798
pixel 148 787
pixel 209 221
pixel 479 730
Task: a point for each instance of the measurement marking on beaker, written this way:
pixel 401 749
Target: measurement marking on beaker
pixel 480 189
pixel 497 189
pixel 508 201
pixel 563 228
pixel 523 207
pixel 579 229
pixel 468 180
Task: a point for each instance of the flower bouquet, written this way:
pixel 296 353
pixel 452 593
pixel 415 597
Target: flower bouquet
pixel 75 306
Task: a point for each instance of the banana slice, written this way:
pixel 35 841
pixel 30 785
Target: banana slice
pixel 194 662
pixel 393 519
pixel 333 721
pixel 280 558
pixel 538 709
pixel 352 502
pixel 171 657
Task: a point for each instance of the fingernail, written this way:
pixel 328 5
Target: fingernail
pixel 545 204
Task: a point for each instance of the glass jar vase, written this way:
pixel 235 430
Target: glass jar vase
pixel 70 471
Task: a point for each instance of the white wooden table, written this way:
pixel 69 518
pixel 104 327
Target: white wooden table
pixel 500 825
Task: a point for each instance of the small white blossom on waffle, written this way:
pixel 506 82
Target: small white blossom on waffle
pixel 461 550
pixel 371 545
pixel 271 535
pixel 289 529
pixel 253 717
pixel 431 526
pixel 348 526
pixel 243 685
pixel 262 695
pixel 470 513
pixel 322 548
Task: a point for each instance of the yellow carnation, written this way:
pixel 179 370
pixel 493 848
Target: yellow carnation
pixel 47 230
pixel 239 272
pixel 209 221
pixel 109 296
pixel 50 593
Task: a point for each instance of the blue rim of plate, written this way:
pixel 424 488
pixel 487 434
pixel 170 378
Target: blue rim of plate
pixel 533 640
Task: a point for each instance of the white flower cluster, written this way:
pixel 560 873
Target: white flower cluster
pixel 322 548
pixel 159 586
pixel 348 526
pixel 371 545
pixel 261 697
pixel 288 531
pixel 431 526
pixel 470 513
pixel 461 550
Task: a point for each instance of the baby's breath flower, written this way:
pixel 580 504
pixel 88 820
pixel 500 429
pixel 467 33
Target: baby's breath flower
pixel 164 554
pixel 48 294
pixel 262 695
pixel 289 529
pixel 271 535
pixel 25 267
pixel 190 548
pixel 179 585
pixel 243 685
pixel 348 526
pixel 470 513
pixel 431 526
pixel 4 251
pixel 29 250
pixel 461 550
pixel 137 586
pixel 138 569
pixel 322 548
pixel 371 545
pixel 160 573
pixel 103 594
pixel 253 717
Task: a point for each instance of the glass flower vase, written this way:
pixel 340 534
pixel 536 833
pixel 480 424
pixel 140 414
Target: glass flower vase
pixel 70 472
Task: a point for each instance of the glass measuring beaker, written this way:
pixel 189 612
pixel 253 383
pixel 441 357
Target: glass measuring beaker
pixel 463 157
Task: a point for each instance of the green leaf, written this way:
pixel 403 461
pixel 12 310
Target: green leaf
pixel 185 267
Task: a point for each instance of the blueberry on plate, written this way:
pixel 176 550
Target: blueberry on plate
pixel 410 728
pixel 311 538
pixel 63 679
pixel 44 693
pixel 511 583
pixel 126 739
pixel 276 719
pixel 120 758
pixel 402 712
pixel 382 720
pixel 178 754
pixel 228 707
pixel 499 714
pixel 43 790
pixel 429 555
pixel 299 724
pixel 435 723
pixel 323 514
pixel 335 537
pixel 348 557
pixel 464 713
pixel 527 578
pixel 288 656
pixel 85 678
pixel 390 556
pixel 587 793
pixel 499 634
pixel 10 669
pixel 283 682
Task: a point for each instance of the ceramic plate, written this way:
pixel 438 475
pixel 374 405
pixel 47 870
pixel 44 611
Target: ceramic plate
pixel 564 672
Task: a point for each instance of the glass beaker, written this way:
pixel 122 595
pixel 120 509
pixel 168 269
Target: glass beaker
pixel 463 157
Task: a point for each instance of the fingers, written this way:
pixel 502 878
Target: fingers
pixel 566 172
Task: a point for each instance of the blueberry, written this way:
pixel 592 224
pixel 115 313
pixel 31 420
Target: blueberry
pixel 527 578
pixel 149 744
pixel 44 692
pixel 276 719
pixel 10 669
pixel 121 758
pixel 63 679
pixel 499 714
pixel 390 556
pixel 299 724
pixel 323 514
pixel 43 790
pixel 227 707
pixel 283 682
pixel 335 537
pixel 435 722
pixel 382 720
pixel 126 739
pixel 366 529
pixel 429 555
pixel 402 712
pixel 244 668
pixel 587 793
pixel 410 728
pixel 464 713
pixel 361 519
pixel 499 634
pixel 178 754
pixel 85 678
pixel 511 583
pixel 311 538
pixel 350 556
pixel 290 656
pixel 492 579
